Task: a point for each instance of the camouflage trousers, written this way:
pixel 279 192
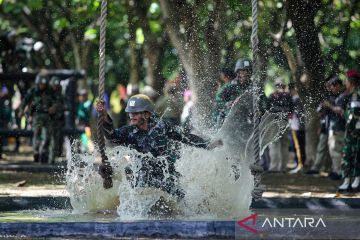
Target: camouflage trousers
pixel 41 139
pixel 153 172
pixel 56 139
pixel 350 162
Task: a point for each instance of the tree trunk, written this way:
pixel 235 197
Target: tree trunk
pixel 311 87
pixel 135 65
pixel 200 63
pixel 154 46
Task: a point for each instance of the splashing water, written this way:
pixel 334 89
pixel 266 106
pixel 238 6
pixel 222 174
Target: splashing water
pixel 217 183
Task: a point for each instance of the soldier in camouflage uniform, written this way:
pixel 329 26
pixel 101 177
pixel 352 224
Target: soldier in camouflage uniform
pixel 146 133
pixel 40 100
pixel 57 120
pixel 5 113
pixel 230 91
pixel 351 152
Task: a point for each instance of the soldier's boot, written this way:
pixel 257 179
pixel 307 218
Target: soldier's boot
pixel 345 186
pixel 36 157
pixel 355 184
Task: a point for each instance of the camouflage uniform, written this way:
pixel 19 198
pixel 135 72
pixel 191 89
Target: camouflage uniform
pixel 162 141
pixel 350 163
pixel 39 102
pixel 224 99
pixel 5 116
pixel 57 122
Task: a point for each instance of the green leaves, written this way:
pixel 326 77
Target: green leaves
pixel 90 34
pixel 61 23
pixel 34 4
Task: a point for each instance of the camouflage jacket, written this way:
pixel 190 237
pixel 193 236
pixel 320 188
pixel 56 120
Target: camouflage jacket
pixel 224 98
pixel 39 101
pixel 61 106
pixel 162 138
pixel 352 113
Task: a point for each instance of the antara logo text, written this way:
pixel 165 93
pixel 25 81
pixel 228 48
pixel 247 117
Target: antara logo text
pixel 283 222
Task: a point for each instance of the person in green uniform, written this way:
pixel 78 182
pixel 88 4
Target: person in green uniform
pixel 40 102
pixel 350 163
pixel 227 94
pixel 57 120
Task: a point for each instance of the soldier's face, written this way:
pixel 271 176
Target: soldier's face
pixel 139 119
pixel 244 76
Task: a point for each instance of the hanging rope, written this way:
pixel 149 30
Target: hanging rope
pixel 256 168
pixel 105 169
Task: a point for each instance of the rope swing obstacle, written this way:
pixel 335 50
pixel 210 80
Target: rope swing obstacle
pixel 105 169
pixel 255 167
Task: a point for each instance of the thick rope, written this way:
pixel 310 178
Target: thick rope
pixel 105 168
pixel 256 168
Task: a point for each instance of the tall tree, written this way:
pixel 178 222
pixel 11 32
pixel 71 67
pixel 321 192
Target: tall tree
pixel 155 42
pixel 311 84
pixel 198 42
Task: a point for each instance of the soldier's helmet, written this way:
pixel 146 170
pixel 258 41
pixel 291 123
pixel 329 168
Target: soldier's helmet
pixel 54 81
pixel 40 80
pixel 243 64
pixel 139 103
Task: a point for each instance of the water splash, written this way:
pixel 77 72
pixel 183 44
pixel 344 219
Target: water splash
pixel 217 183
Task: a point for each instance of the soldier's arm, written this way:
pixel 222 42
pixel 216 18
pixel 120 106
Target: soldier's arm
pixel 117 136
pixel 178 134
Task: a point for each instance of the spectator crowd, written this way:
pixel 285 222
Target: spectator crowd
pixel 46 105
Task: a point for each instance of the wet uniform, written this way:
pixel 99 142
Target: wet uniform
pixel 162 141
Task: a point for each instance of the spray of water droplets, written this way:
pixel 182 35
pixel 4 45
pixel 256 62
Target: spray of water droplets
pixel 217 183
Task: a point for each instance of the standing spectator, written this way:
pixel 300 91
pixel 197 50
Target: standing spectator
pixel 122 115
pixel 5 114
pixel 83 110
pixel 350 163
pixel 171 104
pixel 280 102
pixel 322 158
pixel 40 100
pixel 228 93
pixel 57 121
pixel 297 126
pixel 187 113
pixel 337 125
